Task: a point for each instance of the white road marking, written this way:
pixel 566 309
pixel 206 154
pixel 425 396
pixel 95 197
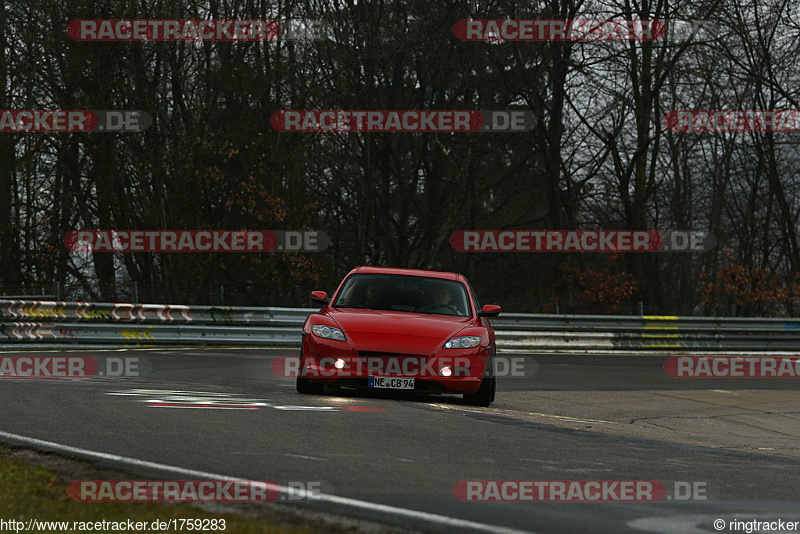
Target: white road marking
pixel 451 522
pixel 303 457
pixel 166 398
pixel 504 412
pixel 684 524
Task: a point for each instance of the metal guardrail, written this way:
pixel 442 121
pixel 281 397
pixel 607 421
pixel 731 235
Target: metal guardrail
pixel 520 332
pixel 51 322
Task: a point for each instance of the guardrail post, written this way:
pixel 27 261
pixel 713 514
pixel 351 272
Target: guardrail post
pixel 134 292
pixel 57 289
pixel 640 308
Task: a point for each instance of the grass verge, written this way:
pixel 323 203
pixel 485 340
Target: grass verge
pixel 34 486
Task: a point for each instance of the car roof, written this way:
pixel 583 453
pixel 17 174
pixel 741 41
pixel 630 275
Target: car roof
pixel 370 269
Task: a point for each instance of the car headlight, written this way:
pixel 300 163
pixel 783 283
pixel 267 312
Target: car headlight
pixel 327 332
pixel 463 342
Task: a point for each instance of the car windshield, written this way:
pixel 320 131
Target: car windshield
pixel 415 294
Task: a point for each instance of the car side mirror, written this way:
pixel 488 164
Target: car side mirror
pixel 490 310
pixel 320 296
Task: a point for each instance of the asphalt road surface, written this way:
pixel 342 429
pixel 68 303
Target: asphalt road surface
pixel 195 413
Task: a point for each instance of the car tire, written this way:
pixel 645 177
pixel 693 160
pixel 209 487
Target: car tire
pixel 307 387
pixel 485 395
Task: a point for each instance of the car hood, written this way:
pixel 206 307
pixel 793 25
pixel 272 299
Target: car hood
pixel 392 323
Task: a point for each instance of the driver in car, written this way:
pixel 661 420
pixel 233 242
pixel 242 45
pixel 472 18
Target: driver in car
pixel 441 302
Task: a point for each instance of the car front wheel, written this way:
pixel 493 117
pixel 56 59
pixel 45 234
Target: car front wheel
pixel 307 387
pixel 485 395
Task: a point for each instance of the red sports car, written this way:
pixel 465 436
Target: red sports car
pixel 401 329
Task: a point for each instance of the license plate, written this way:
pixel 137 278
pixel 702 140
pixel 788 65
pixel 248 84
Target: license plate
pixel 388 382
